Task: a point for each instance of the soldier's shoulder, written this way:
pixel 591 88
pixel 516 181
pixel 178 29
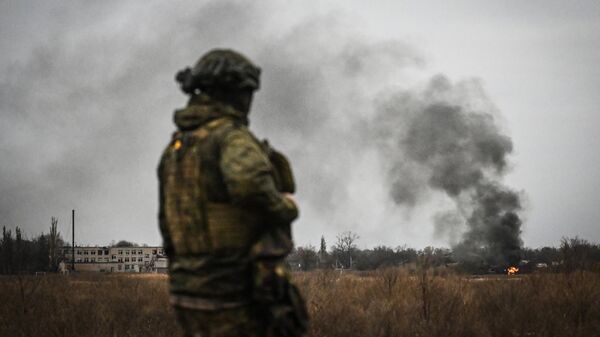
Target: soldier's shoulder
pixel 230 130
pixel 222 126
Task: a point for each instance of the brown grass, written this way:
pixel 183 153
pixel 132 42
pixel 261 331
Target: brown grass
pixel 391 302
pixel 85 305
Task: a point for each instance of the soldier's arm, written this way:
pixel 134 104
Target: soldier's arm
pixel 248 175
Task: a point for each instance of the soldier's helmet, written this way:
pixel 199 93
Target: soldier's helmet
pixel 223 69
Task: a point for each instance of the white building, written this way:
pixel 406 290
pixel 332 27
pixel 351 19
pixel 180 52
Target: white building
pixel 116 259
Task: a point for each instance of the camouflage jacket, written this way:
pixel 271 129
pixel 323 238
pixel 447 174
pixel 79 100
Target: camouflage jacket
pixel 236 182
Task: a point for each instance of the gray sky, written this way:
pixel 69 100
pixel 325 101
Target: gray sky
pixel 87 96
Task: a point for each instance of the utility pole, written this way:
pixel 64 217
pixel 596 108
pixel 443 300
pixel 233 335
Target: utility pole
pixel 73 242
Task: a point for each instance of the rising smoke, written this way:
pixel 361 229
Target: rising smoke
pixel 87 108
pixel 446 138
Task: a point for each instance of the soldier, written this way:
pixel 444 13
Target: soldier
pixel 225 210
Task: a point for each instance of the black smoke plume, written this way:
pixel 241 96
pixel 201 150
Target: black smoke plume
pixel 446 138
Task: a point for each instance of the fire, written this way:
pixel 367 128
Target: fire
pixel 512 270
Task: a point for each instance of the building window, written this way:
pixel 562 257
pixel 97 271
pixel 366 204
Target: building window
pixel 106 252
pixel 114 257
pixel 153 251
pixel 78 260
pixel 99 252
pixel 120 259
pixel 120 251
pixel 139 259
pixel 93 252
pixel 147 256
pixel 161 252
pixel 126 267
pixel 85 252
pixel 126 252
pixel 86 260
pixel 119 267
pixel 140 252
pixel 78 252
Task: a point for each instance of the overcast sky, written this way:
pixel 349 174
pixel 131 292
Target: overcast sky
pixel 87 96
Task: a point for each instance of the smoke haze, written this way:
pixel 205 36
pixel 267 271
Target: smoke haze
pixel 378 144
pixel 87 111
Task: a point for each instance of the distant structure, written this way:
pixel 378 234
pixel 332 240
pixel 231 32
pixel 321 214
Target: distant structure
pixel 114 259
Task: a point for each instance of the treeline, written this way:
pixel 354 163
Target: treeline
pixel 43 253
pixel 345 254
pixel 573 253
pixel 21 255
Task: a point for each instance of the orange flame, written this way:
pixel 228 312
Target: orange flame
pixel 512 270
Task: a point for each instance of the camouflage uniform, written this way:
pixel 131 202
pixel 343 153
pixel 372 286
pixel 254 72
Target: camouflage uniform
pixel 224 220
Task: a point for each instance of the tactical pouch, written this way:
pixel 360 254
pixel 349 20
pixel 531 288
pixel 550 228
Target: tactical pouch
pixel 282 170
pixel 231 227
pixel 279 299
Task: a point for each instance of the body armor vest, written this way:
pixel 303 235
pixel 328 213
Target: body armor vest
pixel 197 226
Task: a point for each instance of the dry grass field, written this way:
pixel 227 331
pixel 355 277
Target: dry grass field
pixel 391 302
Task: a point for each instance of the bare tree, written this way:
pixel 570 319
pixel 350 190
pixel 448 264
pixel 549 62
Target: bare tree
pixel 575 253
pixel 6 251
pixel 345 247
pixel 19 257
pixel 307 256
